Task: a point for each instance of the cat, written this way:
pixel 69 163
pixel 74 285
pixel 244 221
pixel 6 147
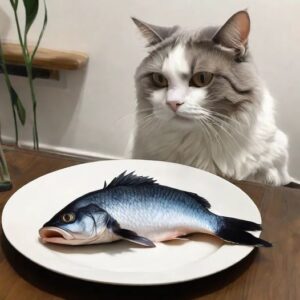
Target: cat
pixel 202 103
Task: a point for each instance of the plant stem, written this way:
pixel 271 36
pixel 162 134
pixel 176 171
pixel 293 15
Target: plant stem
pixel 19 33
pixel 8 84
pixel 5 183
pixel 16 127
pixel 3 166
pixel 35 131
pixel 28 64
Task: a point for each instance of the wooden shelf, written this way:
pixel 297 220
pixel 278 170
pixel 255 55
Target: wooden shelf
pixel 46 59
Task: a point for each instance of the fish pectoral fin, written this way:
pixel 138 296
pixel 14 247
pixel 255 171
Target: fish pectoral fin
pixel 129 235
pixel 134 237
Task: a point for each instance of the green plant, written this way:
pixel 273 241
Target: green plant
pixel 31 10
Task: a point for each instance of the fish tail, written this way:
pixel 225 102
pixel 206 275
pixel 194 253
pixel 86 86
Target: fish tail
pixel 240 224
pixel 235 231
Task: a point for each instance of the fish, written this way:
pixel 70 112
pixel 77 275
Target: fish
pixel 140 210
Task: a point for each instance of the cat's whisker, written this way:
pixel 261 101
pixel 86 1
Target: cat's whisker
pixel 144 110
pixel 204 125
pixel 216 134
pixel 222 124
pixel 228 124
pixel 211 112
pixel 228 134
pixel 145 117
pixel 212 132
pixel 216 123
pixel 133 114
pixel 145 121
pixel 217 120
pixel 220 140
pixel 222 116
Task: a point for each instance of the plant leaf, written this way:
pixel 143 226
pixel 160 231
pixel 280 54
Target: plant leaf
pixel 18 105
pixel 41 33
pixel 31 10
pixel 14 4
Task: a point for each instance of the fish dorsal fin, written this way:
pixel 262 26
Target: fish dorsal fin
pixel 199 199
pixel 129 179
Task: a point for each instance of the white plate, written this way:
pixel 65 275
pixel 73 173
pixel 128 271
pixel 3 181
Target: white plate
pixel 123 262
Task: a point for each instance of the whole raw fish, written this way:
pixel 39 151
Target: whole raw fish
pixel 138 209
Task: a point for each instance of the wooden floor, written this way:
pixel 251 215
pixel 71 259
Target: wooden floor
pixel 272 273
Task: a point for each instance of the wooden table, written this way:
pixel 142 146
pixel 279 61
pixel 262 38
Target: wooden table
pixel 272 273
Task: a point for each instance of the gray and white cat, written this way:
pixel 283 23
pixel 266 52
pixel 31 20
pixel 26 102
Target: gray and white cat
pixel 202 103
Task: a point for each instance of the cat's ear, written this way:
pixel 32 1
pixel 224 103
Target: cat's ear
pixel 152 33
pixel 234 33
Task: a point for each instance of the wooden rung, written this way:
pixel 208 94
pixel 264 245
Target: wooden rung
pixel 46 58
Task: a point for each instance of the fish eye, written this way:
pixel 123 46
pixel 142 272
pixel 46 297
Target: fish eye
pixel 201 79
pixel 68 217
pixel 159 80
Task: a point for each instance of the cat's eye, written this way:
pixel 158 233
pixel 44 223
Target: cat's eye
pixel 67 218
pixel 201 79
pixel 159 80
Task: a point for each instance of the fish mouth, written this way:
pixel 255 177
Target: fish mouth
pixel 55 235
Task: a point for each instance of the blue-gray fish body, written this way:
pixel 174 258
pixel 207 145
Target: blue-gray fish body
pixel 138 209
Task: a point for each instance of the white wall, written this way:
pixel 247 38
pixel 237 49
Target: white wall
pixel 91 111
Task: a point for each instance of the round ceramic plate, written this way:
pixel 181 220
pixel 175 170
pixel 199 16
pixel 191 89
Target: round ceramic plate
pixel 123 262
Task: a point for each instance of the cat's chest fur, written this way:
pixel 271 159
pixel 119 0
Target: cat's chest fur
pixel 214 153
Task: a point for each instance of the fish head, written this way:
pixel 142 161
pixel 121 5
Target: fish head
pixel 75 226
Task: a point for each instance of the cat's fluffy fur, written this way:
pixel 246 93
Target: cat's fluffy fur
pixel 226 127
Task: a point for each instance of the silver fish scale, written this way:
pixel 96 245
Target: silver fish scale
pixel 154 209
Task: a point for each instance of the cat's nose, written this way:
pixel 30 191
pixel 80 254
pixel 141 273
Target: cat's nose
pixel 174 105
